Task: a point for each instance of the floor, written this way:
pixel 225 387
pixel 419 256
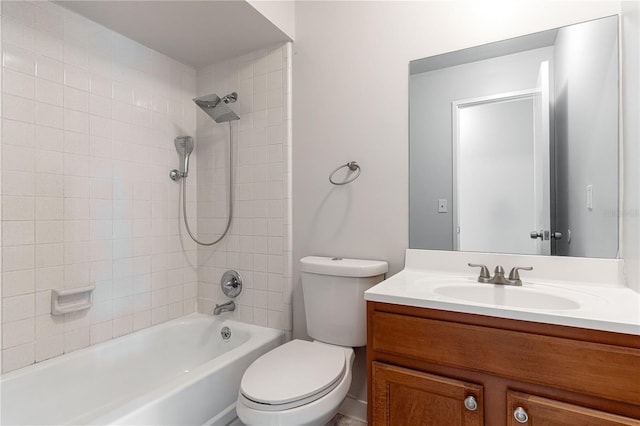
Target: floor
pixel 342 420
pixel 338 420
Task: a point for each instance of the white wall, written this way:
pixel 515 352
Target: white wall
pixel 631 136
pixel 258 244
pixel 281 13
pixel 586 114
pixel 88 122
pixel 351 103
pixel 1 187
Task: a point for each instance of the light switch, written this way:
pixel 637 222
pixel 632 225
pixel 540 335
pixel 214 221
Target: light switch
pixel 590 197
pixel 442 205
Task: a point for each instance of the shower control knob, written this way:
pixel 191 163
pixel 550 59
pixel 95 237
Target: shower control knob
pixel 231 283
pixel 175 175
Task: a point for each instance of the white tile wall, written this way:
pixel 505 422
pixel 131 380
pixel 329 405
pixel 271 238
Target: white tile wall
pixel 259 243
pixel 88 122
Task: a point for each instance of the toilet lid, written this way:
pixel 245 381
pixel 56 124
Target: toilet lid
pixel 292 372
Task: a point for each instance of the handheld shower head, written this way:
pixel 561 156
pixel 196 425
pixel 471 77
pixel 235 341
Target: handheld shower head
pixel 184 146
pixel 217 108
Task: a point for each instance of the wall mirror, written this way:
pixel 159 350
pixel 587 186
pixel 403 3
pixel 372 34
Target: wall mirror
pixel 514 145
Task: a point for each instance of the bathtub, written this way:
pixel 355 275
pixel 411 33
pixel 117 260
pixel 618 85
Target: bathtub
pixel 178 373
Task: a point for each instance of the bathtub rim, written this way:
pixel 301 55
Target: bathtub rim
pixel 258 336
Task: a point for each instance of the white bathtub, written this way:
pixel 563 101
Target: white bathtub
pixel 178 373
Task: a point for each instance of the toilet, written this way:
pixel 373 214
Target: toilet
pixel 302 382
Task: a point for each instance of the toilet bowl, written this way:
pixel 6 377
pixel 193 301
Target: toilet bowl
pixel 297 389
pixel 302 382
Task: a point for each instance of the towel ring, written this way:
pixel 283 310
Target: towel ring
pixel 353 167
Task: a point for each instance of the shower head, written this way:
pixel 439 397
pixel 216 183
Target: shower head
pixel 184 146
pixel 217 108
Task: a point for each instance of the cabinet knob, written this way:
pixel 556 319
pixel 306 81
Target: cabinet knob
pixel 470 403
pixel 520 415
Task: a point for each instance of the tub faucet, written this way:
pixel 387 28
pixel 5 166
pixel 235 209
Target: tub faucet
pixel 225 307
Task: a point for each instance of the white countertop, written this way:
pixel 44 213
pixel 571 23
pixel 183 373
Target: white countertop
pixel 608 306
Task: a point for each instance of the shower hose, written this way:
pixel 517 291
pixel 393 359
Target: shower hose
pixel 230 199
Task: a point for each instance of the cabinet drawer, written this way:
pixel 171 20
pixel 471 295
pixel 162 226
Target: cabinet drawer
pixel 600 370
pixel 407 397
pixel 528 409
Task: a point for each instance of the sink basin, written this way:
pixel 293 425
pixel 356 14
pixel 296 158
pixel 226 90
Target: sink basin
pixel 517 297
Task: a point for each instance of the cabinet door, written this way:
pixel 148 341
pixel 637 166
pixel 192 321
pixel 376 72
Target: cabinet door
pixel 412 398
pixel 525 409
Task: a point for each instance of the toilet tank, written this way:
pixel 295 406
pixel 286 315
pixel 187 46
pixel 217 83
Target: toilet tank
pixel 334 304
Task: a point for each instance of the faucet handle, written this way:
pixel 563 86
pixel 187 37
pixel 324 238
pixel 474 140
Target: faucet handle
pixel 231 283
pixel 484 272
pixel 514 275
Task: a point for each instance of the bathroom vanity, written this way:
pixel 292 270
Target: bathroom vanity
pixel 441 360
pixel 494 140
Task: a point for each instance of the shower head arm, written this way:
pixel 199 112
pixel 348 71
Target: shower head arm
pixel 230 98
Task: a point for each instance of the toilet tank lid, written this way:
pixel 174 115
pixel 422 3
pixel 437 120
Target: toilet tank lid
pixel 343 267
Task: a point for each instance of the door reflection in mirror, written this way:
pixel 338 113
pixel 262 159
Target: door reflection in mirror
pixel 494 181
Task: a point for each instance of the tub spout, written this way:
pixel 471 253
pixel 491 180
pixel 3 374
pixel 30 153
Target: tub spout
pixel 225 307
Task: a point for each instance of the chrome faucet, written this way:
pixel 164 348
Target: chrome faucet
pixel 498 275
pixel 225 307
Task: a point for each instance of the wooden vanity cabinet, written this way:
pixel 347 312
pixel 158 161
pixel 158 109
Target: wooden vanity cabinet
pixel 433 367
pixel 412 398
pixel 552 412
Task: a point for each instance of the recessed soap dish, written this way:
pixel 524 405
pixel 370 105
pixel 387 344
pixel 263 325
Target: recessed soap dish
pixel 71 300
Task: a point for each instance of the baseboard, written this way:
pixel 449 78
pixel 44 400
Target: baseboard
pixel 352 407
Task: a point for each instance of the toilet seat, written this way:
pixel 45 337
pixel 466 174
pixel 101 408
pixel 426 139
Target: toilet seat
pixel 292 375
